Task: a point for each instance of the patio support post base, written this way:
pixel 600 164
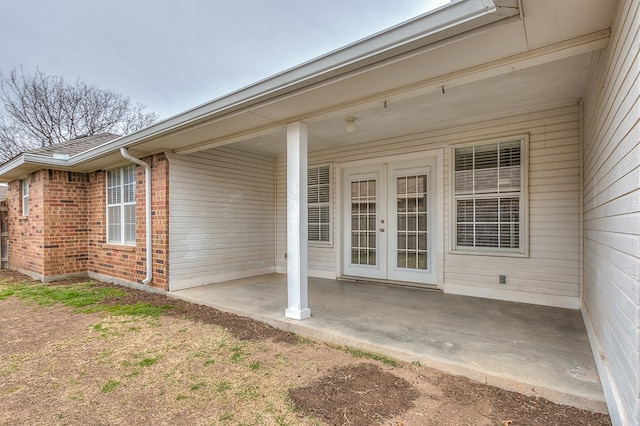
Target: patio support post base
pixel 297 280
pixel 298 315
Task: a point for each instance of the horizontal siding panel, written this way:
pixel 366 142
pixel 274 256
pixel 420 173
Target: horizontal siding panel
pixel 227 240
pixel 222 265
pixel 222 215
pixel 622 187
pixel 558 213
pixel 569 181
pixel 539 286
pixel 550 171
pixel 557 203
pixel 625 224
pixel 228 203
pixel 189 180
pixel 554 148
pixel 229 155
pixel 560 158
pixel 616 136
pixel 523 270
pixel 539 245
pixel 617 285
pixel 626 243
pixel 551 196
pixel 555 188
pixel 626 204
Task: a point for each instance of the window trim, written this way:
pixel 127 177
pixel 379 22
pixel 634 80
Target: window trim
pixel 523 251
pixel 24 196
pixel 122 204
pixel 323 244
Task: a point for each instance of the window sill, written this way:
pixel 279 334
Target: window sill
pixel 23 218
pixel 489 253
pixel 319 245
pixel 119 247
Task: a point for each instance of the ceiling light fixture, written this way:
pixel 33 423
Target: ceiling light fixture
pixel 351 125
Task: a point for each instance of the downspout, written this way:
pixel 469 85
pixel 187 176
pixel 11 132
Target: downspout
pixel 147 209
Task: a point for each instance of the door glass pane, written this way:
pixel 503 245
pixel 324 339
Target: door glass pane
pixel 412 231
pixel 363 222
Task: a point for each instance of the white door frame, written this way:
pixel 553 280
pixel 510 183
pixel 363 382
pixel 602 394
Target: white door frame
pixel 438 186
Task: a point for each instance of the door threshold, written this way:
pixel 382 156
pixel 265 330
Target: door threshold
pixel 430 287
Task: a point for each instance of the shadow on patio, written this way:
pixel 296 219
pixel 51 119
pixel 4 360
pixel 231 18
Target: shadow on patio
pixel 535 350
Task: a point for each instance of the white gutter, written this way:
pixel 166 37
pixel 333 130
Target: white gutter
pixel 147 209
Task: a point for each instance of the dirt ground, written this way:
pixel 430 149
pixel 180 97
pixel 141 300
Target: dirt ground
pixel 197 365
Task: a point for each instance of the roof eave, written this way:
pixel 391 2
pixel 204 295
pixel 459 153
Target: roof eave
pixel 431 27
pixel 26 163
pixel 449 20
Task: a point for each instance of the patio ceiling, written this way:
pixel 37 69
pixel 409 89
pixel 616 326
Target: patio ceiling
pixel 532 89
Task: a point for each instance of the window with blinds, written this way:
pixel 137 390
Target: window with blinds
pixel 488 196
pixel 319 204
pixel 121 206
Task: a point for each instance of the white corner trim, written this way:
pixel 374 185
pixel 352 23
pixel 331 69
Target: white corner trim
pixel 611 394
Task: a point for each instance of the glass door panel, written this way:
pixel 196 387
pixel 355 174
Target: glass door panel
pixel 363 219
pixel 411 225
pixel 412 215
pixel 364 253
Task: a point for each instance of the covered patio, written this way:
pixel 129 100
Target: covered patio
pixel 532 349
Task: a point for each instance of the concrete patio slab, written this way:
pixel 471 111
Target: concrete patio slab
pixel 535 350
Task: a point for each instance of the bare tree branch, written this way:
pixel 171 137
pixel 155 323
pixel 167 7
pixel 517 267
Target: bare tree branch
pixel 42 110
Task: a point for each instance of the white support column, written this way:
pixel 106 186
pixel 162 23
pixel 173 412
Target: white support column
pixel 297 284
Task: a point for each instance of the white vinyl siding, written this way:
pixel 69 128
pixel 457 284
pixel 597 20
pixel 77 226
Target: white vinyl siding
pixel 221 226
pixel 319 205
pixel 612 213
pixel 24 183
pixel 488 196
pixel 550 274
pixel 121 206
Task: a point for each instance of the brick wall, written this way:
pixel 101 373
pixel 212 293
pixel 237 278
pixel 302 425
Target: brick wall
pixel 65 230
pixel 64 209
pixel 124 262
pixel 26 238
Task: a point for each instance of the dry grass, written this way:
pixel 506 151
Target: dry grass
pixel 84 365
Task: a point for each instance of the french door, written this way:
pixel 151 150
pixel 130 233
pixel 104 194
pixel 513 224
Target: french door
pixel 389 215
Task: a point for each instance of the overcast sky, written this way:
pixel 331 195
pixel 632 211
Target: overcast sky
pixel 174 55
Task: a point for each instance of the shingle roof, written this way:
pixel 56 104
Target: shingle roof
pixel 75 146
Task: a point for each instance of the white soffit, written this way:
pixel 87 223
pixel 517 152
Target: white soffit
pixel 540 87
pixel 547 21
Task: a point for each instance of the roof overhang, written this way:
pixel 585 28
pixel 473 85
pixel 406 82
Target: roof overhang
pixel 463 45
pixel 435 26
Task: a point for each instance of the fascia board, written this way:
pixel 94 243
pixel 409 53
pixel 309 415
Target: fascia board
pixel 44 159
pixel 27 163
pixel 11 165
pixel 449 20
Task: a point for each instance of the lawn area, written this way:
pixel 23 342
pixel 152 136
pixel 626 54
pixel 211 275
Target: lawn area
pixel 84 353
